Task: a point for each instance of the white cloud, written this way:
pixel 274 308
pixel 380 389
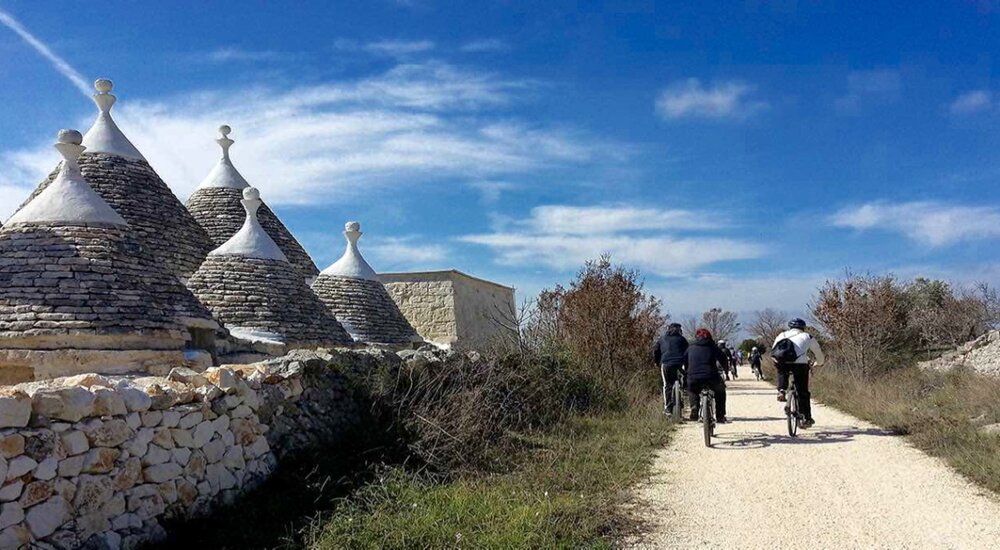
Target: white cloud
pixel 492 190
pixel 972 102
pixel 412 124
pixel 485 45
pixel 230 53
pixel 406 253
pixel 880 84
pixel 692 99
pixel 926 222
pixel 387 48
pixel 692 295
pixel 564 237
pixel 564 219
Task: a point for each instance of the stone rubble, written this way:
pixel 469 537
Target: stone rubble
pixel 981 355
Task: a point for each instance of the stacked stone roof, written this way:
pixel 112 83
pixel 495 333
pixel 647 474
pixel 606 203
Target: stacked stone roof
pixel 123 178
pixel 73 276
pixel 352 291
pixel 251 287
pixel 216 206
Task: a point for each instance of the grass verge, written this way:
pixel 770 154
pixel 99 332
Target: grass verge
pixel 942 413
pixel 565 490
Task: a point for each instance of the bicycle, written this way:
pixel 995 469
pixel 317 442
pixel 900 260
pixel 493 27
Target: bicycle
pixel 676 392
pixel 757 372
pixel 792 414
pixel 708 414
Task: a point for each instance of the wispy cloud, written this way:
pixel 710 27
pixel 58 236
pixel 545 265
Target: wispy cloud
pixel 406 253
pixel 723 100
pixel 972 102
pixel 485 45
pixel 386 48
pixel 58 63
pixel 563 237
pixel 927 222
pixel 410 125
pixel 492 190
pixel 234 54
pixel 881 84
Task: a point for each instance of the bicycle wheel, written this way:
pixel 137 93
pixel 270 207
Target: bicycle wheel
pixel 675 411
pixel 707 417
pixel 793 411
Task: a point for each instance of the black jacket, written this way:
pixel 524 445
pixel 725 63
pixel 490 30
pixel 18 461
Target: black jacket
pixel 703 359
pixel 670 350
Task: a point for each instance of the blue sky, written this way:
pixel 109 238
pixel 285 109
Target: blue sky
pixel 738 154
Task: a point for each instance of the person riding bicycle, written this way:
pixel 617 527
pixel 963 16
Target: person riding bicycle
pixel 669 355
pixel 733 361
pixel 703 360
pixel 755 359
pixel 725 351
pixel 804 344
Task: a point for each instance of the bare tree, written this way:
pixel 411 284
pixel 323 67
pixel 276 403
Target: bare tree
pixel 767 325
pixel 722 324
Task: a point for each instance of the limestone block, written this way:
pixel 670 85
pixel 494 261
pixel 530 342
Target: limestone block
pixel 10 513
pixel 182 438
pixel 163 438
pixel 155 455
pixel 20 466
pixel 43 520
pixel 66 403
pixel 180 456
pixel 46 469
pixel 109 433
pixel 15 408
pixel 161 472
pixel 74 442
pixel 151 418
pixel 11 491
pixel 100 460
pixel 203 433
pixel 129 476
pixel 92 492
pixel 190 420
pixel 11 445
pixel 72 466
pixel 35 492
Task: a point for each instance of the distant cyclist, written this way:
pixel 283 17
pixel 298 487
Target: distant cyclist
pixel 669 355
pixel 755 359
pixel 734 361
pixel 793 358
pixel 725 352
pixel 703 360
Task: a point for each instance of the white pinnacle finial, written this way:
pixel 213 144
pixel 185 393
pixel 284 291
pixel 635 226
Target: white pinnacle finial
pixel 352 264
pixel 224 140
pixel 104 98
pixel 69 198
pixel 251 241
pixel 105 136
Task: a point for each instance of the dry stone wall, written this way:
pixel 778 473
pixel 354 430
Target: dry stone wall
pixel 100 462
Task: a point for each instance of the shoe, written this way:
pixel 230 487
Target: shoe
pixel 781 397
pixel 808 423
pixel 721 420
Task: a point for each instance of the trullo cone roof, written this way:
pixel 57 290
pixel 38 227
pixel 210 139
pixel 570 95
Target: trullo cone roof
pixel 123 178
pixel 250 286
pixel 354 294
pixel 215 204
pixel 73 276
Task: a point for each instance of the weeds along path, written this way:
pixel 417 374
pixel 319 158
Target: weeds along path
pixel 843 484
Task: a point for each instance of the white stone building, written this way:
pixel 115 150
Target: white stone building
pixel 453 309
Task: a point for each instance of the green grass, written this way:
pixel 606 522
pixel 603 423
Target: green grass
pixel 565 490
pixel 940 412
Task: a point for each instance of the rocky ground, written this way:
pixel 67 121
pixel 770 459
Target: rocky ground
pixel 981 355
pixel 842 484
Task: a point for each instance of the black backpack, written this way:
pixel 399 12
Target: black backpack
pixel 784 351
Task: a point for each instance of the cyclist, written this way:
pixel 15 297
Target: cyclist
pixel 733 361
pixel 703 360
pixel 805 345
pixel 755 361
pixel 725 351
pixel 669 355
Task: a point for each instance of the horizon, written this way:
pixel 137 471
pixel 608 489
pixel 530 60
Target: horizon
pixel 700 145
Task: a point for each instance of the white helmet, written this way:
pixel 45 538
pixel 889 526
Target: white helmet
pixel 755 348
pixel 722 342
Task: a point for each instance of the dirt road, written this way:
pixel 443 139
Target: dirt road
pixel 842 484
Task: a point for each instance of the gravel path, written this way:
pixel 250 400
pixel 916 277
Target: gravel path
pixel 843 484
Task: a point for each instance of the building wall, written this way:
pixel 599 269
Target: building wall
pixel 484 311
pixel 451 308
pixel 428 303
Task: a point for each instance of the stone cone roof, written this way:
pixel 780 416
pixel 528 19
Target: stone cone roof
pixel 252 288
pixel 123 178
pixel 215 205
pixel 360 302
pixel 73 277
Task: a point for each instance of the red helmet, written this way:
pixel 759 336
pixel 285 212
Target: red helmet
pixel 703 333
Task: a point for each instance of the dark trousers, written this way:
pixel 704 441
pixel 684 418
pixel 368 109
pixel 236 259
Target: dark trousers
pixel 669 373
pixel 717 386
pixel 800 372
